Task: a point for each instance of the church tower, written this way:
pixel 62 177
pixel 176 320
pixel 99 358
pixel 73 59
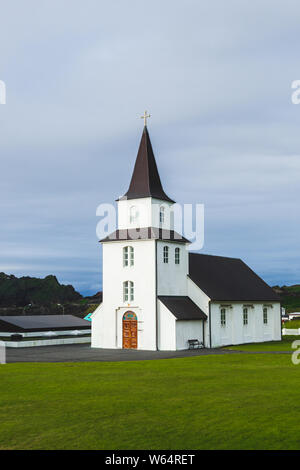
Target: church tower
pixel 144 259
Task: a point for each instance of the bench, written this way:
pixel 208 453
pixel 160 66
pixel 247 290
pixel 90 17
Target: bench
pixel 195 344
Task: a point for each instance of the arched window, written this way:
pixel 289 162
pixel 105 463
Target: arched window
pixel 134 214
pixel 177 255
pixel 245 316
pixel 265 315
pixel 162 214
pixel 128 291
pixel 128 256
pixel 166 254
pixel 223 316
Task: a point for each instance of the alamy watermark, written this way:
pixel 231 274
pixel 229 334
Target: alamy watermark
pixel 2 353
pixel 295 358
pixel 2 92
pixel 178 222
pixel 296 94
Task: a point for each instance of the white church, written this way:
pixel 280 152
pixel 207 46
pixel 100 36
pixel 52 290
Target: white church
pixel 159 296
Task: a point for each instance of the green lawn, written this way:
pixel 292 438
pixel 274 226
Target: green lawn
pixel 237 401
pixel 284 345
pixel 292 324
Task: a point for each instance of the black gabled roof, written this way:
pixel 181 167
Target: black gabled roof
pixel 42 323
pixel 145 233
pixel 228 279
pixel 182 307
pixel 145 180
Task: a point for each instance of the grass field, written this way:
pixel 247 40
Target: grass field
pixel 284 345
pixel 292 324
pixel 235 401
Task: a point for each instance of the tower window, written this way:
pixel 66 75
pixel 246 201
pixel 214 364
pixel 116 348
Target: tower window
pixel 245 316
pixel 134 215
pixel 128 291
pixel 223 317
pixel 128 256
pixel 265 315
pixel 166 254
pixel 177 255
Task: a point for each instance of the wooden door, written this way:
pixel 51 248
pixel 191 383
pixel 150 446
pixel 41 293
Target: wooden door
pixel 130 330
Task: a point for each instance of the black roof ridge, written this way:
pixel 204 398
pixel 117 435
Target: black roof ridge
pixel 161 295
pixel 216 256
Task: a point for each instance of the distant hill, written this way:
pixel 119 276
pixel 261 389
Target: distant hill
pixel 22 291
pixel 290 297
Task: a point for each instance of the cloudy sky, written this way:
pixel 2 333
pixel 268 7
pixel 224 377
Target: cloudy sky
pixel 216 77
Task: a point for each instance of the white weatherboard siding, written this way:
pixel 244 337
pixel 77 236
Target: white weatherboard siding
pixel 235 332
pixel 189 329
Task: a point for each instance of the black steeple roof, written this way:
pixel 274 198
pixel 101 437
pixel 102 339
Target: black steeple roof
pixel 145 180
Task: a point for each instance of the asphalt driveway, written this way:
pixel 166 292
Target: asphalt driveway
pixel 84 353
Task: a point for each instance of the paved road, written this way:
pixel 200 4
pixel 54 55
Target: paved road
pixel 84 353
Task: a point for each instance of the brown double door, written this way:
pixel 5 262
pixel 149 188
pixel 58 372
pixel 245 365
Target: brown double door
pixel 130 330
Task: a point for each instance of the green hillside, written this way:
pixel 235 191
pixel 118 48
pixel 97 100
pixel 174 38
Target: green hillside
pixel 18 292
pixel 290 297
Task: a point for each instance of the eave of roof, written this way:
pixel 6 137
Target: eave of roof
pixel 182 307
pixel 145 233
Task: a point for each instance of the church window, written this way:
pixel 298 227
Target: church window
pixel 131 291
pixel 245 316
pixel 223 317
pixel 125 256
pixel 125 291
pixel 128 291
pixel 128 256
pixel 134 214
pixel 162 215
pixel 131 251
pixel 265 315
pixel 177 255
pixel 166 254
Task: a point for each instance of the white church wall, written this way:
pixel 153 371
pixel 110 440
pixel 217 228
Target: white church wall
pixel 202 300
pixel 97 326
pixel 185 330
pixel 235 332
pixel 171 277
pixel 106 321
pixel 166 328
pixel 144 209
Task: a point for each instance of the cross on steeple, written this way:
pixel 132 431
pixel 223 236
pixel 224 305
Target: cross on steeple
pixel 145 117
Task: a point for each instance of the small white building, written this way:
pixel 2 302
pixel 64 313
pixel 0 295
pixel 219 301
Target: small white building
pixel 158 296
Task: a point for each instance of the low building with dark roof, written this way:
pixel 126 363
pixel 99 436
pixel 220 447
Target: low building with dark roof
pixel 158 296
pixel 40 330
